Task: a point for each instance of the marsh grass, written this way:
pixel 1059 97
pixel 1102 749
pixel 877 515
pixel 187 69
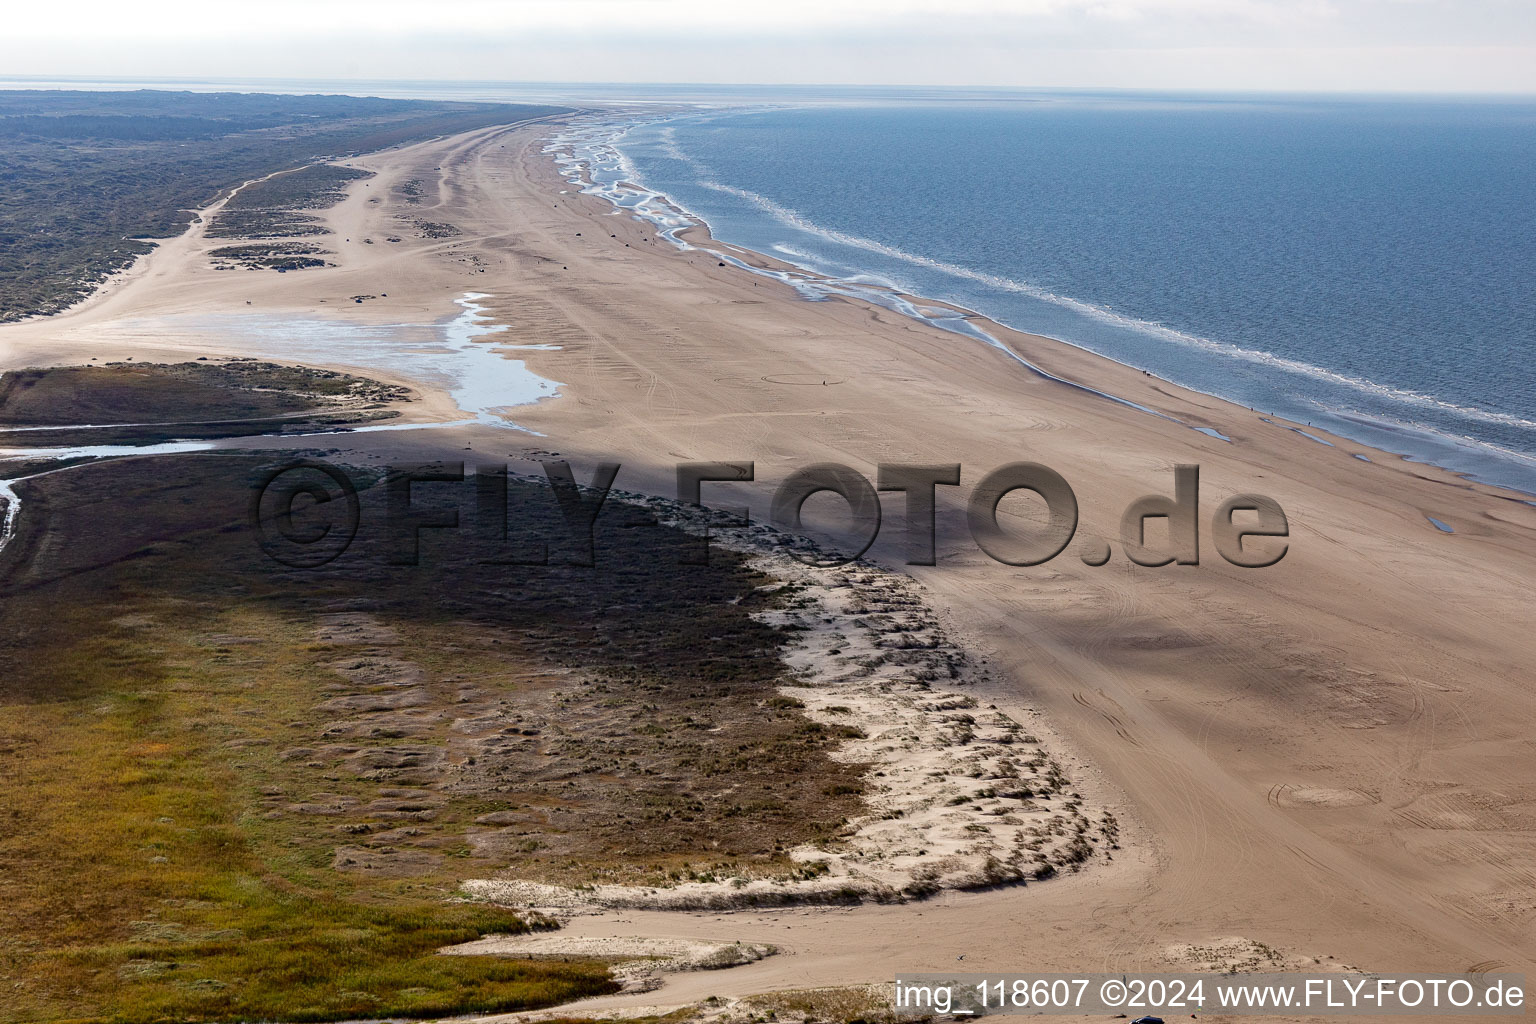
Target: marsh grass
pixel 847 1004
pixel 141 883
pixel 165 851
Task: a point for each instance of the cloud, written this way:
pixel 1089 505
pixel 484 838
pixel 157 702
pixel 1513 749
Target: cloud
pixel 1425 45
pixel 182 19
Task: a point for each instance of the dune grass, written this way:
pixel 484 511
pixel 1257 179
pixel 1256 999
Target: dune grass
pixel 848 1004
pixel 139 882
pixel 192 830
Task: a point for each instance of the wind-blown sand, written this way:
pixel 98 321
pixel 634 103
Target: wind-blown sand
pixel 960 794
pixel 1334 756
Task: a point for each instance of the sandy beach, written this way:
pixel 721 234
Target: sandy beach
pixel 1332 756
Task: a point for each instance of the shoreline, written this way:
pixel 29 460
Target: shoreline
pixel 694 234
pixel 1430 453
pixel 1320 570
pixel 961 320
pixel 1377 670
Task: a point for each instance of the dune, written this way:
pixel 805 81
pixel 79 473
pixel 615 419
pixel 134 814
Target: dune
pixel 1261 735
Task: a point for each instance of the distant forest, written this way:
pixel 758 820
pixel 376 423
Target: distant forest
pixel 85 175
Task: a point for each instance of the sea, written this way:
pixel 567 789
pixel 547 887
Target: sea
pixel 1366 265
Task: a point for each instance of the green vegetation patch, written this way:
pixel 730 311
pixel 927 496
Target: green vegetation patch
pixel 847 1004
pixel 272 207
pixel 139 883
pixel 235 791
pixel 269 256
pixel 86 177
pixel 183 400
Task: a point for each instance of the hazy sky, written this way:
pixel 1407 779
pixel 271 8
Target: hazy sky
pixel 1391 45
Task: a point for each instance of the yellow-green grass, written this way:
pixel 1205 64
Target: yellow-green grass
pixel 139 883
pixel 848 1004
pixel 186 835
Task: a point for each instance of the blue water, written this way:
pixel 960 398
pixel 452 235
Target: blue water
pixel 1366 266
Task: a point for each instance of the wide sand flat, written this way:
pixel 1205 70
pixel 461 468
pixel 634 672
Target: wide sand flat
pixel 1335 756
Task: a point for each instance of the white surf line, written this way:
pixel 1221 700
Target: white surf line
pixel 576 152
pixel 797 221
pixel 594 143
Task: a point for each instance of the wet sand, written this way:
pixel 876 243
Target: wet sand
pixel 1332 756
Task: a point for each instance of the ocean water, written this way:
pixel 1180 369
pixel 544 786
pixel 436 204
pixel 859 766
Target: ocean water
pixel 1364 265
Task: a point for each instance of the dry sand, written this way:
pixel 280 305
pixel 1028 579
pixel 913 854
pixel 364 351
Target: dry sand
pixel 1333 757
pixel 960 794
pixel 640 962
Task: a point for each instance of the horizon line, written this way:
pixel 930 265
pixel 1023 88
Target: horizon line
pixel 890 86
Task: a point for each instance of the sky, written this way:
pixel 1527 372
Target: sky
pixel 1271 45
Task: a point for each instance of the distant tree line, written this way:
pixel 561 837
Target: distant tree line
pixel 86 177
